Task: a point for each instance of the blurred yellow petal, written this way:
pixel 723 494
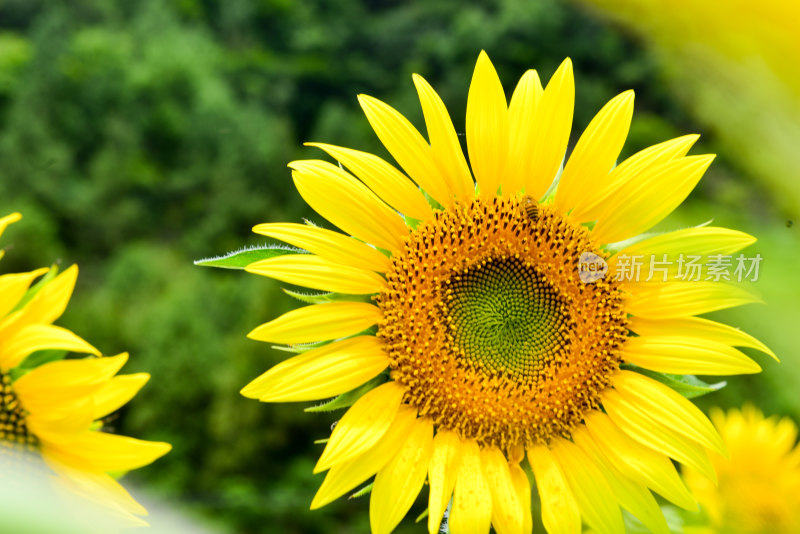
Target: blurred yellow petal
pixel 392 186
pixel 14 286
pixel 8 219
pixel 327 244
pixel 99 487
pixel 595 153
pixel 521 130
pixel 507 517
pixel 348 203
pixel 444 141
pixel 362 425
pixel 686 356
pixel 522 487
pixel 487 127
pixel 400 481
pixel 318 323
pixel 324 372
pixel 98 451
pixel 560 513
pixel 314 272
pixel 407 147
pixel 41 337
pixel 552 121
pixel 117 392
pixel 669 300
pixel 442 470
pixel 471 511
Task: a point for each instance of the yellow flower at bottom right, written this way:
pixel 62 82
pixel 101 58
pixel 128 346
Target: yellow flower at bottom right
pixel 759 487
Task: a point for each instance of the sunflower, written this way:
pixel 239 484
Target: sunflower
pixel 759 486
pixel 458 330
pixel 53 408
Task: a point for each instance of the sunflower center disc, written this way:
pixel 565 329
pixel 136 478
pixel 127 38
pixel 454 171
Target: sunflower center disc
pixel 15 439
pixel 490 329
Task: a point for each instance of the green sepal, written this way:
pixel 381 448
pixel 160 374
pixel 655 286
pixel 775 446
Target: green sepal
pixel 239 259
pixel 363 491
pixel 300 348
pixel 321 441
pixel 35 288
pixel 422 516
pixel 346 400
pixel 324 298
pixel 687 385
pixel 41 357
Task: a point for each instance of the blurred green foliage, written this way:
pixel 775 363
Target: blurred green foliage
pixel 136 137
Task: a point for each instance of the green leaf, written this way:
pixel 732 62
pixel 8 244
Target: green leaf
pixel 239 259
pixel 41 357
pixel 363 491
pixel 348 399
pixel 687 385
pixel 323 298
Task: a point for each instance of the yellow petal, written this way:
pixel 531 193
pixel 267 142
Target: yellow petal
pixel 487 127
pixel 362 425
pixel 348 203
pixel 669 300
pixel 312 271
pixel 589 487
pixel 407 147
pixel 638 461
pixel 98 487
pixel 117 392
pixel 631 495
pixel 595 153
pixel 330 370
pixel 51 301
pixel 522 487
pixel 392 186
pixel 41 337
pixel 669 408
pixel 648 197
pixel 552 121
pixel 327 244
pixel 507 517
pixel 318 323
pixel 442 470
pixel 14 286
pixel 347 475
pixel 400 481
pixel 697 327
pixel 521 130
pixel 654 435
pixel 593 205
pixel 560 513
pixel 687 355
pixel 98 451
pixel 471 511
pixel 444 141
pixel 8 219
pixel 703 240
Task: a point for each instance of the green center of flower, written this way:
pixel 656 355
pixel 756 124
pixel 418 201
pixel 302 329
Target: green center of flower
pixel 15 438
pixel 506 318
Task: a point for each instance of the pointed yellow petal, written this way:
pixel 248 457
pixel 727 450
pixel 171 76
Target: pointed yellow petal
pixel 686 356
pixel 552 121
pixel 348 203
pixel 697 327
pixel 444 141
pixel 471 511
pixel 669 408
pixel 327 244
pixel 522 487
pixel 14 286
pixel 593 205
pixel 319 322
pixel 507 517
pixel 631 495
pixel 595 153
pixel 407 147
pixel 98 487
pixel 98 451
pixel 669 300
pixel 400 481
pixel 487 127
pixel 560 513
pixel 41 337
pixel 325 372
pixel 392 186
pixel 703 240
pixel 49 303
pixel 521 130
pixel 442 470
pixel 648 197
pixel 639 462
pixel 362 425
pixel 115 393
pixel 8 219
pixel 589 487
pixel 347 475
pixel 654 435
pixel 312 271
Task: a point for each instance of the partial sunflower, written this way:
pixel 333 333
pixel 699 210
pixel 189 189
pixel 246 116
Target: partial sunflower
pixel 53 408
pixel 759 486
pixel 459 303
